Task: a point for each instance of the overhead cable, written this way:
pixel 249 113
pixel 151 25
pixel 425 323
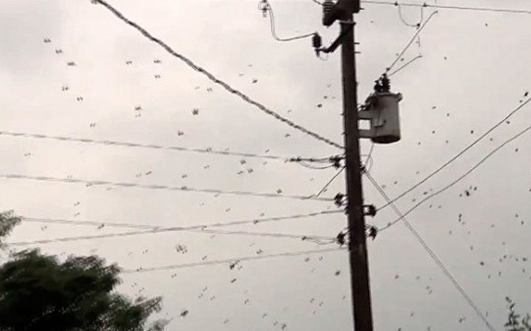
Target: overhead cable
pixel 150 229
pixel 411 41
pixel 216 80
pixel 436 6
pixel 458 155
pixel 183 188
pixel 156 146
pixel 416 25
pixel 432 254
pixel 233 260
pixel 405 65
pixel 266 8
pixel 330 181
pixel 470 171
pixel 444 7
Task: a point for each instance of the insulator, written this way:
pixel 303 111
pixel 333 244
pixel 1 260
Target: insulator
pixel 369 210
pixel 338 199
pixel 264 7
pixel 317 41
pixel 328 6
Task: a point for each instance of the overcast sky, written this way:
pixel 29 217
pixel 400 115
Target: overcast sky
pixel 474 70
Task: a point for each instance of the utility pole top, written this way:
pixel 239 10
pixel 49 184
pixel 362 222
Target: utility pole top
pixel 340 10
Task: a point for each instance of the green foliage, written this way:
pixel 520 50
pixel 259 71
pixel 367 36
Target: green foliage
pixel 8 221
pixel 39 293
pixel 514 321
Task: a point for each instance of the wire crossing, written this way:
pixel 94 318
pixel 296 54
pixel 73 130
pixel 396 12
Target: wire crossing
pixel 470 171
pixel 215 80
pixel 202 228
pixel 467 8
pixel 432 254
pixel 90 183
pixel 419 30
pixel 458 155
pixel 445 7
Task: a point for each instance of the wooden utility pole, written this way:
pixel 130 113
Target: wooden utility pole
pixel 359 269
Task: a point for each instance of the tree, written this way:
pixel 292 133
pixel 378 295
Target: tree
pixel 38 292
pixel 8 221
pixel 514 321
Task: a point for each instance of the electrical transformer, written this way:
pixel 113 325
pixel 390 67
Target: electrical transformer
pixel 381 110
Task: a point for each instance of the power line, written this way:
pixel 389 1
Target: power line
pixel 369 155
pixel 214 79
pixel 419 30
pixel 468 8
pixel 405 65
pixel 228 261
pixel 173 229
pixel 483 160
pixel 330 181
pixel 155 146
pixel 89 183
pixel 266 8
pixel 150 229
pixel 458 155
pixel 309 166
pixel 426 5
pixel 401 15
pixel 321 240
pixel 432 254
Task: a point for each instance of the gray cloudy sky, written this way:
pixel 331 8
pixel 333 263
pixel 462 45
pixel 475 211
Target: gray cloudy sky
pixel 474 70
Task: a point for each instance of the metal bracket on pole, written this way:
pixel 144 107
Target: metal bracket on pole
pixel 345 29
pixel 366 115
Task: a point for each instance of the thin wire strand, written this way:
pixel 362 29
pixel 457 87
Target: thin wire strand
pixel 302 163
pixel 432 254
pixel 273 28
pixel 233 260
pixel 89 183
pixel 152 229
pixel 419 30
pixel 214 79
pixel 151 146
pixel 468 8
pixel 317 239
pixel 470 171
pixel 458 155
pixel 159 229
pixel 368 166
pixel 405 65
pixel 425 5
pixel 369 155
pixel 400 14
pixel 330 181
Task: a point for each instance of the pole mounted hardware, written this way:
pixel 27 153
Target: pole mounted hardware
pixel 369 210
pixel 333 11
pixel 338 199
pixel 317 41
pixel 382 111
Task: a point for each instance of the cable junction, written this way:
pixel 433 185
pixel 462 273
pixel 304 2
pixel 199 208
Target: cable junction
pixel 151 229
